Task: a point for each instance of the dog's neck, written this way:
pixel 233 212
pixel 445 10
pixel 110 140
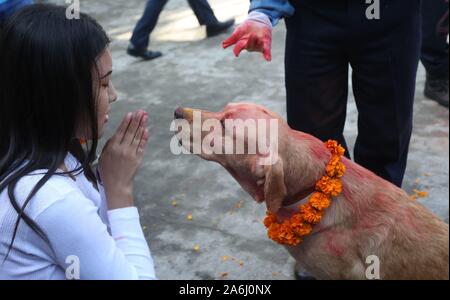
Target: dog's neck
pixel 307 164
pixel 303 168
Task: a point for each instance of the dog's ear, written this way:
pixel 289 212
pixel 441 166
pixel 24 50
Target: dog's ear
pixel 274 188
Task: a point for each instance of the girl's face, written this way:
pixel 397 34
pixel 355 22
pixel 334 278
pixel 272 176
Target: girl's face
pixel 106 94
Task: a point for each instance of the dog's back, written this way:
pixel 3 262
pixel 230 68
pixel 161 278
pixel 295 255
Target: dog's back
pixel 374 224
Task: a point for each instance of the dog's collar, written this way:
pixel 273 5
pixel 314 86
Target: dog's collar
pixel 297 198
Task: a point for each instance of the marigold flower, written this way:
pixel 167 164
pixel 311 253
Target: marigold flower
pixel 335 148
pixel 285 231
pixel 301 228
pixel 335 167
pixel 310 214
pixel 272 231
pixel 287 235
pixel 329 186
pixel 269 219
pixel 319 201
pixel 339 170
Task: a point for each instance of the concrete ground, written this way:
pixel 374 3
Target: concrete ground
pixel 226 224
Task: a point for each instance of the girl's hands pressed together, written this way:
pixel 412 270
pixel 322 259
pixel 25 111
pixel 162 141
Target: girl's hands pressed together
pixel 121 158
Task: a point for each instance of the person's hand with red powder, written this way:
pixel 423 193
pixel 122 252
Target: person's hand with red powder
pixel 255 34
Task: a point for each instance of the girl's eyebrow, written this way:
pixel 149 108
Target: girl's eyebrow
pixel 107 74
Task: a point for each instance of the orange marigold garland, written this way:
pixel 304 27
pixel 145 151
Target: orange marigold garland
pixel 292 230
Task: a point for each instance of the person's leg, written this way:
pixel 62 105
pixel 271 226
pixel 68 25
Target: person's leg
pixel 435 50
pixel 316 74
pixel 205 16
pixel 141 33
pixel 316 69
pixel 384 57
pixel 203 12
pixel 434 43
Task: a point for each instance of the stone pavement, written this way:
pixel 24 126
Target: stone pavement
pixel 226 224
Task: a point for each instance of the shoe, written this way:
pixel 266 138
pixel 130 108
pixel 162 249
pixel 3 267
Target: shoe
pixel 143 53
pixel 218 28
pixel 437 90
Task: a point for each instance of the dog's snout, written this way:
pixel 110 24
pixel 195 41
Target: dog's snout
pixel 179 113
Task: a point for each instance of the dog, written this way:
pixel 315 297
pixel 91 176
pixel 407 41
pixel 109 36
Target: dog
pixel 370 218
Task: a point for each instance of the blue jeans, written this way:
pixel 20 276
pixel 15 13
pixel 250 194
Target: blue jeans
pixel 153 8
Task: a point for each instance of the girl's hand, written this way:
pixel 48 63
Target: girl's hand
pixel 121 158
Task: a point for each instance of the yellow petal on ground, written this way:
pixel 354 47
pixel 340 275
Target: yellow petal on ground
pixel 174 203
pixel 225 258
pixel 197 248
pixel 189 217
pixel 420 194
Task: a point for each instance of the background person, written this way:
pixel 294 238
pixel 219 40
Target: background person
pixel 141 34
pixel 435 49
pixel 324 38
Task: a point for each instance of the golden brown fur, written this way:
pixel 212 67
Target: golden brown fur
pixel 370 217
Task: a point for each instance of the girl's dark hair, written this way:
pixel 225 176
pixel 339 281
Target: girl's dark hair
pixel 47 68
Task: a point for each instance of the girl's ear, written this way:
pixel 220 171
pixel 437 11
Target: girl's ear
pixel 274 188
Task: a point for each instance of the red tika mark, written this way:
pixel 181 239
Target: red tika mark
pixel 331 245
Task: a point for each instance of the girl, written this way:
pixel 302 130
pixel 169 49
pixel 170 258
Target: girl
pixel 58 218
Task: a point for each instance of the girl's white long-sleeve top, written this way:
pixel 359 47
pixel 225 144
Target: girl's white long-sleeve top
pixel 86 240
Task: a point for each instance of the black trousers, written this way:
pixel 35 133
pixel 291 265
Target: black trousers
pixel 434 38
pixel 153 8
pixel 324 38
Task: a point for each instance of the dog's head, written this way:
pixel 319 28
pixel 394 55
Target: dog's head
pixel 246 139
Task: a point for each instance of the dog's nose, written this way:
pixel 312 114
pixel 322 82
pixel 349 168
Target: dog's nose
pixel 179 113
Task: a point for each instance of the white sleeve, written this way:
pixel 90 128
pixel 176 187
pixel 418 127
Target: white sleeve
pixel 75 229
